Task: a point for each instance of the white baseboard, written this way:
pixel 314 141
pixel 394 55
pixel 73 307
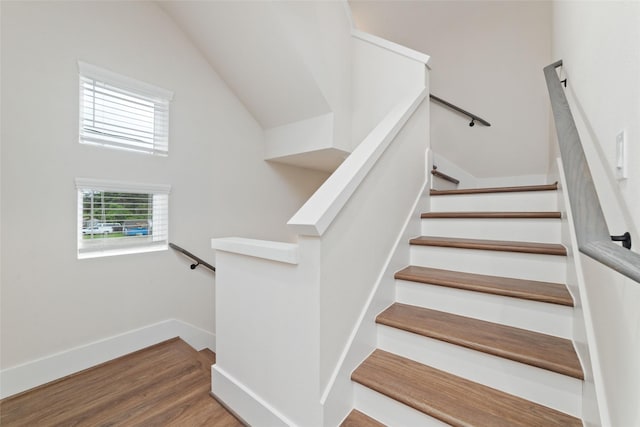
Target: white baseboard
pixel 41 371
pixel 233 394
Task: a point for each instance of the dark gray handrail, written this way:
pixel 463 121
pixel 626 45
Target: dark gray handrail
pixel 198 261
pixel 592 232
pixel 472 116
pixel 436 172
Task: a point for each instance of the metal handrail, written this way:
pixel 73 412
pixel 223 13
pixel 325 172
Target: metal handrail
pixel 472 116
pixel 436 172
pixel 591 228
pixel 198 261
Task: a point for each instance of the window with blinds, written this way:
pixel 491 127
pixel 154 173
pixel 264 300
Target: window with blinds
pixel 120 112
pixel 117 218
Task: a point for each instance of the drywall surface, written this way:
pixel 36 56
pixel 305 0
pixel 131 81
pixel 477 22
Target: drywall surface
pixel 320 32
pixel 253 54
pixel 267 315
pixel 599 43
pixel 486 57
pixel 349 273
pixel 615 349
pixel 288 62
pixel 382 77
pixel 220 185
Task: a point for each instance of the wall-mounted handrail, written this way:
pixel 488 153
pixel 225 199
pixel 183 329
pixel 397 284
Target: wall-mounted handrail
pixel 472 116
pixel 436 172
pixel 198 261
pixel 591 228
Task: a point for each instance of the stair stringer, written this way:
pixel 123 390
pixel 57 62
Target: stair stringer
pixel 595 410
pixel 339 396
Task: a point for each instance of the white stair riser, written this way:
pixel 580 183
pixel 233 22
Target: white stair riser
pixel 442 184
pixel 547 388
pixel 389 411
pixel 546 268
pixel 496 202
pixel 550 319
pixel 523 230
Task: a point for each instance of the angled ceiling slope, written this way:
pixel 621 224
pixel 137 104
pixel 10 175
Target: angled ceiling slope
pixel 246 43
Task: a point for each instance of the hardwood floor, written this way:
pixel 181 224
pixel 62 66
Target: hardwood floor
pixel 164 385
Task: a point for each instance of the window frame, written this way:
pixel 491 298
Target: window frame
pixel 111 247
pixel 144 92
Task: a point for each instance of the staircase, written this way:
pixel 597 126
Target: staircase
pixel 480 333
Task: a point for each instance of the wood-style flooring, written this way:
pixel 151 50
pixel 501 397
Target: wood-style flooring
pixel 543 351
pixel 164 385
pixel 451 399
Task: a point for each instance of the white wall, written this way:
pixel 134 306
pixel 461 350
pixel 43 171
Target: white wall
pixel 298 307
pixel 253 54
pixel 289 62
pixel 487 57
pixel 615 347
pixel 52 302
pixel 321 32
pixel 599 43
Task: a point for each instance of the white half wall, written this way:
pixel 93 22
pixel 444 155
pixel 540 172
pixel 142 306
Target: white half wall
pixel 372 219
pixel 268 332
pixel 293 308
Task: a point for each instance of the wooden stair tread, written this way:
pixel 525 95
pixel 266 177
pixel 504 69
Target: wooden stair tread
pixel 554 293
pixel 449 398
pixel 520 345
pixel 491 245
pixel 358 419
pixel 544 187
pixel 490 215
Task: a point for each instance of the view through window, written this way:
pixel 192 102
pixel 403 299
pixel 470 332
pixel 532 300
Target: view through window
pixel 116 220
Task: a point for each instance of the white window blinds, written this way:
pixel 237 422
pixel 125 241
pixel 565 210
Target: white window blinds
pixel 116 218
pixel 120 112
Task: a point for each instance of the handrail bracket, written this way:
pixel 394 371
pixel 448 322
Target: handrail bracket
pixel 624 238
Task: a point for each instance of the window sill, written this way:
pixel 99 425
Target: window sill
pixel 122 251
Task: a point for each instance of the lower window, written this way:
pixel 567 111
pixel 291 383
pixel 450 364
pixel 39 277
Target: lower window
pixel 117 218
